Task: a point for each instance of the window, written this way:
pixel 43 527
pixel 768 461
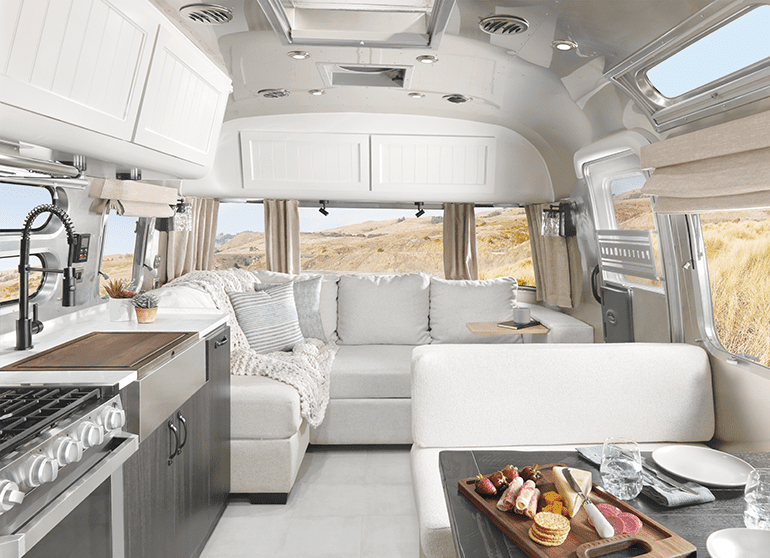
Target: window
pixel 502 245
pixel 9 278
pixel 118 253
pixel 737 252
pixel 371 240
pixel 730 48
pixel 240 240
pixel 18 201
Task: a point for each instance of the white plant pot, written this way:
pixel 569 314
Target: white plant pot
pixel 121 310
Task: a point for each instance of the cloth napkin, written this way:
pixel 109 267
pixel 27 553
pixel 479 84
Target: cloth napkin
pixel 658 492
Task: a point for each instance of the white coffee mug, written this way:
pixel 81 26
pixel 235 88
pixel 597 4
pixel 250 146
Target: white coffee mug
pixel 521 315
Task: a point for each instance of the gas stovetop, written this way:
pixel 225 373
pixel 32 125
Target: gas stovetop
pixel 25 412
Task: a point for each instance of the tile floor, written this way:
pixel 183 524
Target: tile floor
pixel 347 502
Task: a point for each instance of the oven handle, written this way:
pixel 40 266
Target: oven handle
pixel 16 545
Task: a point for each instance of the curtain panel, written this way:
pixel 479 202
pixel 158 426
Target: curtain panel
pixel 132 198
pixel 185 251
pixel 725 167
pixel 282 235
pixel 556 261
pixel 460 260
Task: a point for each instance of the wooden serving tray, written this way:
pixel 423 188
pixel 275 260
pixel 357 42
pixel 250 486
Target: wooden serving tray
pixel 582 540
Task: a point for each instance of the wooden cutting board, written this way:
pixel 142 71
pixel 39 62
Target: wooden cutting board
pixel 582 540
pixel 102 350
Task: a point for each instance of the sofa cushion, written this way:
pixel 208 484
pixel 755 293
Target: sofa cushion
pixel 307 298
pixel 262 408
pixel 455 303
pixel 383 309
pixel 371 371
pixel 183 296
pixel 268 318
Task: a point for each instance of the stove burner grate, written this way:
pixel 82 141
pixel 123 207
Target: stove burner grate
pixel 25 412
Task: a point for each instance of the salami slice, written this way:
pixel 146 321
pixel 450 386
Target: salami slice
pixel 607 509
pixel 617 524
pixel 631 524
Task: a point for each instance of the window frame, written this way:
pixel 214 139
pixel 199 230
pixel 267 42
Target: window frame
pixel 41 257
pixel 51 191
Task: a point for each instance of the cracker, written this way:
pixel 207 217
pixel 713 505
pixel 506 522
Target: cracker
pixel 549 521
pixel 545 542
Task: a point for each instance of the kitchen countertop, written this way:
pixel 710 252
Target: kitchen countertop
pixel 71 326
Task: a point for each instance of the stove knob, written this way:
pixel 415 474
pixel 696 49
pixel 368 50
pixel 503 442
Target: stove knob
pixel 112 418
pixel 10 495
pixel 90 434
pixel 66 450
pixel 40 469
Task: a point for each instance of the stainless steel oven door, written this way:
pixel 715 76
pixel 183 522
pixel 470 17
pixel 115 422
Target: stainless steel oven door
pixel 86 519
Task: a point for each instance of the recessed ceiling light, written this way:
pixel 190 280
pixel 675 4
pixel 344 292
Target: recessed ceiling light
pixel 298 54
pixel 416 95
pixel 427 58
pixel 564 44
pixel 317 92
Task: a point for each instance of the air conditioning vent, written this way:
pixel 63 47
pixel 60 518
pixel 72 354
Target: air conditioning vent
pixel 208 14
pixel 365 75
pixel 503 25
pixel 457 98
pixel 273 93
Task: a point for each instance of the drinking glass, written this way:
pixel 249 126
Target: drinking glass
pixel 621 468
pixel 757 496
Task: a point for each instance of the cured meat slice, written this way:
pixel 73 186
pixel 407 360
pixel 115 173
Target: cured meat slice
pixel 607 509
pixel 617 524
pixel 508 499
pixel 525 495
pixel 631 524
pixel 531 508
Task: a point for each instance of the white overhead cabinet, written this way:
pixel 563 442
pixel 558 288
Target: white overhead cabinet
pixel 78 61
pixel 184 100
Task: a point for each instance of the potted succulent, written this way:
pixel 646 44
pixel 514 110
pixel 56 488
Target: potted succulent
pixel 146 306
pixel 120 293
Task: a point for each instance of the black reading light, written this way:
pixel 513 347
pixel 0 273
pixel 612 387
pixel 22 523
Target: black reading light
pixel 420 210
pixel 322 210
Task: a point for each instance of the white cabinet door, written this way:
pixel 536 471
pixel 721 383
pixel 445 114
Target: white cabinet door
pixel 433 164
pixel 184 101
pixel 78 61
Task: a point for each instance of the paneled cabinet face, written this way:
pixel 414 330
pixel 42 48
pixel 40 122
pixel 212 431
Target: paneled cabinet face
pixel 184 101
pixel 78 61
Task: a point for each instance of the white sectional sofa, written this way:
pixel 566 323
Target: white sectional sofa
pixel 376 320
pixel 550 397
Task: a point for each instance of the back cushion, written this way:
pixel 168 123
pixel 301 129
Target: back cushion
pixel 383 309
pixel 455 303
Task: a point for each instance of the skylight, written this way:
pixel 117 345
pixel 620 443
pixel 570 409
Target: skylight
pixel 731 48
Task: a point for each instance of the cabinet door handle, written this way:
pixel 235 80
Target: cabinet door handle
pixel 174 453
pixel 221 342
pixel 183 422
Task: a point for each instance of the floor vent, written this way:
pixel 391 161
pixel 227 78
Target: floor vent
pixel 503 25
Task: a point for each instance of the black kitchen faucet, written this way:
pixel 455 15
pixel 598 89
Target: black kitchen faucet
pixel 26 327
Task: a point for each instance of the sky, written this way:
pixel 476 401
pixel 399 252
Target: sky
pixel 734 46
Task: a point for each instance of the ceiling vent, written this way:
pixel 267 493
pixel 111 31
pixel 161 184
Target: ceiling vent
pixel 273 93
pixel 366 75
pixel 503 25
pixel 208 14
pixel 457 98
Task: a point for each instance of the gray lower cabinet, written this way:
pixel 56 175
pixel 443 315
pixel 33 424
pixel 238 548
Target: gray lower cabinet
pixel 174 497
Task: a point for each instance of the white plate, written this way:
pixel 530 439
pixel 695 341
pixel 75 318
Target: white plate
pixel 703 465
pixel 738 543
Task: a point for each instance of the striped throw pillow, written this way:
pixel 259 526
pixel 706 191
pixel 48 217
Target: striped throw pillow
pixel 268 318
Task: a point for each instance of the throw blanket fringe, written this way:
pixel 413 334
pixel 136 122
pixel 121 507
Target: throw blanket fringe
pixel 307 368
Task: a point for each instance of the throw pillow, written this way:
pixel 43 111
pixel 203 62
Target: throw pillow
pixel 455 303
pixel 383 309
pixel 307 298
pixel 268 318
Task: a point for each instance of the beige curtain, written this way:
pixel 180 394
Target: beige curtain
pixel 282 235
pixel 185 251
pixel 132 198
pixel 556 260
pixel 725 167
pixel 460 261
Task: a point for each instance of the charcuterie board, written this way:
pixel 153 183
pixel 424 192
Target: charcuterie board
pixel 582 541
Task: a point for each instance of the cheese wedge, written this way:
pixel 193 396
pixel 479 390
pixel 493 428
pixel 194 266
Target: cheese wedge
pixel 570 497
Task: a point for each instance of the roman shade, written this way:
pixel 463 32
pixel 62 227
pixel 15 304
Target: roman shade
pixel 132 198
pixel 725 167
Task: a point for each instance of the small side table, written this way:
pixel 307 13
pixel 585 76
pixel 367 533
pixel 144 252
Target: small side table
pixel 491 328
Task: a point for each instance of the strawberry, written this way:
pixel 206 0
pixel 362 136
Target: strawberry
pixel 498 481
pixel 510 472
pixel 531 473
pixel 485 487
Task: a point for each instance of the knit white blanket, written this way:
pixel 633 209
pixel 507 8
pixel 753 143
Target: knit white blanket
pixel 307 368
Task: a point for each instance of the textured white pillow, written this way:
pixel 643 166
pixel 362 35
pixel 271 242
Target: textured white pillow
pixel 383 309
pixel 455 303
pixel 183 296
